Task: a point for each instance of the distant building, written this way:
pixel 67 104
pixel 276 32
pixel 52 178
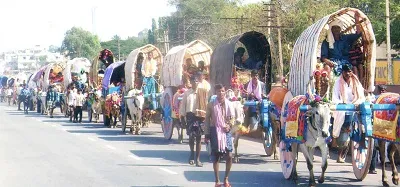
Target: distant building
pixel 31 59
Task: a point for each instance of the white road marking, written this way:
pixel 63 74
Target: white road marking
pixel 111 147
pixel 91 139
pixel 135 157
pixel 169 171
pixel 37 119
pixel 53 125
pixel 270 170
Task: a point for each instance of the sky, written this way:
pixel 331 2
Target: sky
pixel 26 23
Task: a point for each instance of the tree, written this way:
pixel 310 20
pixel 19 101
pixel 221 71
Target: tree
pixel 150 37
pixel 54 49
pixel 80 43
pixel 126 46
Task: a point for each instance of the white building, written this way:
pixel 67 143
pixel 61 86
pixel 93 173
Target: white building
pixel 29 59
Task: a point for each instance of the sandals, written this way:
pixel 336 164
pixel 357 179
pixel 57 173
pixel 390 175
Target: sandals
pixel 191 162
pixel 218 185
pixel 199 164
pixel 227 184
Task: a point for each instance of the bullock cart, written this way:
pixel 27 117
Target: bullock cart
pixel 309 97
pixel 192 57
pixel 112 84
pixel 138 105
pixel 232 63
pixel 75 73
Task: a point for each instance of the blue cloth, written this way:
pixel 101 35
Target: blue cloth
pixel 150 87
pixel 51 96
pixel 341 47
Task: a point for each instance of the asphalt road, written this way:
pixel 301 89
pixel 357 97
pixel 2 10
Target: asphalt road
pixel 36 150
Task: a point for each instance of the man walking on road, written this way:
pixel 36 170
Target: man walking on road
pixel 218 123
pixel 188 109
pixel 79 99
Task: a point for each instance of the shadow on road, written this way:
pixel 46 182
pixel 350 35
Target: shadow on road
pixel 149 140
pixel 178 156
pixel 259 178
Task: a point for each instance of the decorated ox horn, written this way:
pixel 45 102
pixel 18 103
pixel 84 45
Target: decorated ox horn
pixel 310 94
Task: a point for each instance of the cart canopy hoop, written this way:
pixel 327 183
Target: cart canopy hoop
pixel 307 49
pixel 131 61
pixel 172 68
pixel 114 72
pixel 222 60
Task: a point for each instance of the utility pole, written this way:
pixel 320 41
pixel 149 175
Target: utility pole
pixel 388 45
pixel 119 50
pixel 274 17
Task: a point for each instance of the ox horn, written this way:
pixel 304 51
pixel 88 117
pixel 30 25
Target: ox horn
pixel 309 88
pixel 327 91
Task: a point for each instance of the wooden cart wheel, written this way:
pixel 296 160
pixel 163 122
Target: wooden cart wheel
pixel 166 120
pixel 361 157
pixel 269 141
pixel 287 160
pixel 124 118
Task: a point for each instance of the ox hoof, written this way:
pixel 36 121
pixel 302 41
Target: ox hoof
pixel 276 157
pixel 311 184
pixel 321 180
pixel 236 159
pixel 385 183
pixel 395 181
pixel 137 132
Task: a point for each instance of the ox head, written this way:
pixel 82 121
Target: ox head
pixel 319 111
pixel 138 101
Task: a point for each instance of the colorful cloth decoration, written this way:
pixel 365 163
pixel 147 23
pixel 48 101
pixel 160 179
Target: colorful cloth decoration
pixel 295 121
pixel 386 123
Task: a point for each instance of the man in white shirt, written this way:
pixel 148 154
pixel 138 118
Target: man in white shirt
pixel 71 102
pixel 79 100
pixel 19 96
pixel 9 93
pixel 188 109
pixel 347 90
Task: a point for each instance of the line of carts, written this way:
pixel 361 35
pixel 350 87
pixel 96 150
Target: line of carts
pixel 109 83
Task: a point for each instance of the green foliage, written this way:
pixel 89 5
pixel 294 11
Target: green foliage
pixel 80 43
pixel 126 46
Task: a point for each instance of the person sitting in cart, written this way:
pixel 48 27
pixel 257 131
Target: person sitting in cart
pixel 347 90
pixel 149 69
pixel 335 49
pixel 256 90
pixel 188 70
pixel 139 75
pixel 238 58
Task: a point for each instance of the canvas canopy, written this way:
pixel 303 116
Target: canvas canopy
pixel 131 61
pixel 222 59
pixel 172 68
pixel 307 49
pixel 79 66
pixel 108 74
pixel 57 68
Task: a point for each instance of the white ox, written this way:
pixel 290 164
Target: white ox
pixel 135 102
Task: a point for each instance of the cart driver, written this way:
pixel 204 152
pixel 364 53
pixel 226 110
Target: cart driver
pixel 149 69
pixel 347 89
pixel 256 90
pixel 335 49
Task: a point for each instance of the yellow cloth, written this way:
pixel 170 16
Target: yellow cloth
pixel 149 68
